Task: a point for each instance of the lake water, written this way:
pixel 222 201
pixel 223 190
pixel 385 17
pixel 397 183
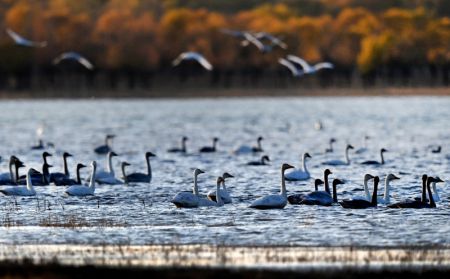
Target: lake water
pixel 142 214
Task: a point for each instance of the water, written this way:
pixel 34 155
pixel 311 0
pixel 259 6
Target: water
pixel 142 214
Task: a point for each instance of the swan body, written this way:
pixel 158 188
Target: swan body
pixel 371 162
pixel 21 41
pixel 108 176
pixel 362 204
pixel 299 174
pixel 74 56
pixel 84 190
pixel 193 56
pixel 209 149
pixel 340 162
pixel 191 199
pixel 141 177
pixel 28 190
pixel 274 201
pixel 245 149
pixel 262 162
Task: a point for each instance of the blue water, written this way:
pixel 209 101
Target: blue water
pixel 143 214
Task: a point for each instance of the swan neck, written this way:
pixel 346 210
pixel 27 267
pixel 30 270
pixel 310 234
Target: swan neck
pixel 327 186
pixel 347 159
pixel 125 178
pixel 66 169
pixel 382 158
pixel 304 164
pixel 424 192
pixel 435 191
pixel 386 191
pixel 366 190
pixel 195 190
pixel 283 184
pixel 183 146
pixel 335 200
pixel 218 197
pixel 430 195
pixel 17 174
pixel 78 176
pixel 11 173
pixel 29 184
pixel 223 185
pixel 374 194
pixel 149 167
pixel 92 182
pixel 109 166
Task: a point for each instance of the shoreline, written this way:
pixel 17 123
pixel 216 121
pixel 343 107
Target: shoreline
pixel 165 93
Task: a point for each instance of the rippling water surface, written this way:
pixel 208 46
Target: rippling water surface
pixel 142 214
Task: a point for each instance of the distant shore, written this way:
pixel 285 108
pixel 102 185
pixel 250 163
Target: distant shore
pixel 232 93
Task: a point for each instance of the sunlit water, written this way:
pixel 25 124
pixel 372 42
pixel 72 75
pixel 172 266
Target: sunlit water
pixel 143 214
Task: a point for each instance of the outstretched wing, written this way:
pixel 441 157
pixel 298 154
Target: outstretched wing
pixel 323 65
pixel 295 72
pixel 306 67
pixel 22 41
pixel 73 56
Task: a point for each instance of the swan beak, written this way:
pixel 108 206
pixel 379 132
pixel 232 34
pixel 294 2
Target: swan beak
pixel 114 154
pixel 395 177
pixel 81 166
pixel 439 179
pixel 307 155
pixel 200 171
pixel 384 150
pixel 350 146
pixel 287 166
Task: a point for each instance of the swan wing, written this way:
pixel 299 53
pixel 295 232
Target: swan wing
pixel 270 201
pixel 323 65
pixel 296 175
pixel 206 202
pixel 295 72
pixel 185 199
pixel 306 67
pixel 243 149
pixel 252 39
pixel 79 190
pixel 22 41
pixel 334 163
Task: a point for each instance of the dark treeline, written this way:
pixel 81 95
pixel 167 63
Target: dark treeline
pixel 132 43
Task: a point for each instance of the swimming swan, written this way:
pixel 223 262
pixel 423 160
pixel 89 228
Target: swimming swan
pixel 362 204
pixel 179 150
pixel 299 174
pixel 84 190
pixel 108 176
pixel 224 194
pixel 274 201
pixel 371 162
pixel 141 177
pixel 245 149
pixel 340 162
pixel 21 190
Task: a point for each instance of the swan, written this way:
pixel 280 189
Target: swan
pixel 37 178
pixel 362 204
pixel 376 162
pixel 107 147
pixel 139 176
pixel 340 162
pixel 437 149
pixel 307 68
pixel 367 197
pixel 322 198
pixel 179 150
pixel 245 149
pixel 21 41
pixel 70 181
pixel 56 177
pixel 224 195
pixel 262 162
pixel 20 190
pixel 209 149
pixel 192 199
pixel 273 40
pixel 84 190
pixel 108 176
pixel 299 174
pixel 193 56
pixel 298 198
pixel 291 67
pixel 435 191
pixel 8 177
pixel 75 57
pixel 274 201
pixel 423 202
pixel 364 148
pixel 386 198
pixel 330 149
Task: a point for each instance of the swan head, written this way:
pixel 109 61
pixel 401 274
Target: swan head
pixel 110 136
pixel 383 150
pixel 332 140
pixel 366 137
pixel 327 172
pixel 124 164
pixel 226 175
pixel 46 154
pixel 220 180
pixel 318 182
pixel 260 138
pixel 286 167
pixel 306 155
pixel 94 165
pixel 215 139
pixel 391 177
pixel 368 177
pixel 376 180
pixel 31 171
pixel 265 158
pixel 184 138
pixel 149 154
pixel 198 171
pixel 437 179
pixel 67 154
pixel 80 166
pixel 424 178
pixel 112 154
pixel 337 181
pixel 19 164
pixel 349 146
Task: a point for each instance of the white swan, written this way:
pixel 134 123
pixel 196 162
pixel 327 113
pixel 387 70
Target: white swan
pixel 274 201
pixel 224 194
pixel 367 197
pixel 84 190
pixel 27 190
pixel 193 56
pixel 19 40
pixel 386 198
pixel 108 176
pixel 192 199
pixel 75 57
pixel 246 149
pixel 299 174
pixel 340 162
pixel 296 72
pixel 308 69
pixel 435 191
